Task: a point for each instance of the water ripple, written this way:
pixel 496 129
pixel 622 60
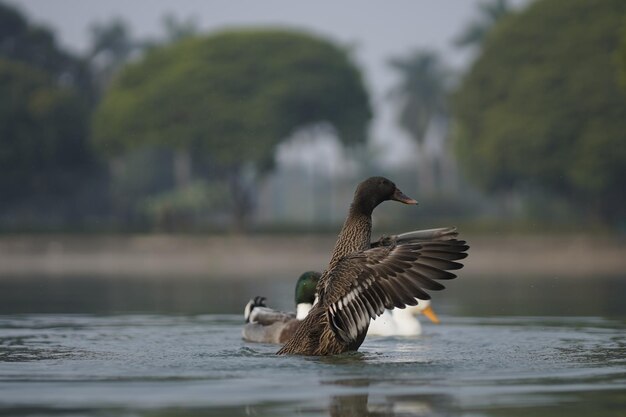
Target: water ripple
pixel 131 364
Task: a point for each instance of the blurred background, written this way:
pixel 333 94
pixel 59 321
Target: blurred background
pixel 146 142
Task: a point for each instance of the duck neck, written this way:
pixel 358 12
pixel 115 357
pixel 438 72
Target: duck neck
pixel 302 310
pixel 355 234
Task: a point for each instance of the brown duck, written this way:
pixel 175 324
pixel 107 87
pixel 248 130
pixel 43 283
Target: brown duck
pixel 362 280
pixel 266 325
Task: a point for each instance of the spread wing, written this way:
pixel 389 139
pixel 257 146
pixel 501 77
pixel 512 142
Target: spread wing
pixel 361 286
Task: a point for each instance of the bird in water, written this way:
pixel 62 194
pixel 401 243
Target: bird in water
pixel 402 321
pixel 265 325
pixel 362 280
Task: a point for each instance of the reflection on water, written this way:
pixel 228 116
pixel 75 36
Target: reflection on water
pixel 119 294
pixel 476 296
pixel 147 347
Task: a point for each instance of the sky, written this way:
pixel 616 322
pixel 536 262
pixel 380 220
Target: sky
pixel 375 30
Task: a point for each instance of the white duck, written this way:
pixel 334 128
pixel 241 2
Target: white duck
pixel 402 322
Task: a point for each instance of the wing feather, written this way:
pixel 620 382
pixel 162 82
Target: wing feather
pixel 361 286
pixel 440 263
pixel 424 282
pixel 444 254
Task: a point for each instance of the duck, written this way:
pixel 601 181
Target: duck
pixel 402 322
pixel 265 325
pixel 362 280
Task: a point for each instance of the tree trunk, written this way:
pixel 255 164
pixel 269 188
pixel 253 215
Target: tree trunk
pixel 242 186
pixel 182 168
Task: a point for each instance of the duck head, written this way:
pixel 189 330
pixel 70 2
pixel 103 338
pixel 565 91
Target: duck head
pixel 423 307
pixel 306 291
pixel 373 191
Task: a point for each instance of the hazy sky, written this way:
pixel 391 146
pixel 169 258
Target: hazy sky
pixel 377 30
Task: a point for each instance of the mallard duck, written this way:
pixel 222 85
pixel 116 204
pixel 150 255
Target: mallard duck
pixel 265 325
pixel 402 322
pixel 362 281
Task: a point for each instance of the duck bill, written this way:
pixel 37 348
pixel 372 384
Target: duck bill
pixel 401 197
pixel 430 313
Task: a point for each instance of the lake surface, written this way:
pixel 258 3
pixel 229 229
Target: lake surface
pixel 506 347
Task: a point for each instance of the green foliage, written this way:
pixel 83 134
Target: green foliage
pixel 49 175
pixel 42 132
pixel 36 46
pixel 622 56
pixel 232 96
pixel 541 106
pixel 177 208
pixel 140 173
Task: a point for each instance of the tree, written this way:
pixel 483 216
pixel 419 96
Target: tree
pixel 422 95
pixel 177 29
pixel 622 59
pixel 45 99
pixel 112 46
pixel 36 46
pixel 422 92
pixel 476 32
pixel 43 130
pixel 541 106
pixel 231 98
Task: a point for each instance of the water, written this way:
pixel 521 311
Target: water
pixel 134 356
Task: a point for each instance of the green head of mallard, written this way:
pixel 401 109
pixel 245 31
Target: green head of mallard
pixel 306 291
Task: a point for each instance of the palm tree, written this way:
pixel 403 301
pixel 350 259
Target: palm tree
pixel 112 46
pixel 177 28
pixel 476 32
pixel 422 92
pixel 422 98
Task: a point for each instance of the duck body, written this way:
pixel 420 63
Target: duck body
pixel 276 332
pixel 395 323
pixel 315 337
pixel 401 322
pixel 362 280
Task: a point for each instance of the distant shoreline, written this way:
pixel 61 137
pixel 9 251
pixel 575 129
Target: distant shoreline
pixel 267 256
